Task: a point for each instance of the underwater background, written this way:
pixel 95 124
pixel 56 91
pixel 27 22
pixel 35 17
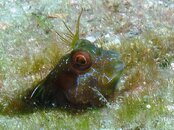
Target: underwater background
pixel 141 31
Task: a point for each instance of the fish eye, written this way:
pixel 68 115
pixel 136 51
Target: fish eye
pixel 81 60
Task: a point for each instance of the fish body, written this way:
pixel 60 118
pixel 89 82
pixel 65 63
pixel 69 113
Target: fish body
pixel 87 76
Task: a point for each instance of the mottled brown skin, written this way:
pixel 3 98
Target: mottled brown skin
pixel 83 77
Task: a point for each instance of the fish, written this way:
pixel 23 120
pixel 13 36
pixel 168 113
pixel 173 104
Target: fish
pixel 86 76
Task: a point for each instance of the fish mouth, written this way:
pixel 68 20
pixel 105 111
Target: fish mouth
pixel 121 66
pixel 108 79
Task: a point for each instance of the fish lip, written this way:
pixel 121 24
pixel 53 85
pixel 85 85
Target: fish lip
pixel 116 77
pixel 122 66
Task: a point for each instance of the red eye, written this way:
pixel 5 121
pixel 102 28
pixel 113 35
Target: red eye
pixel 81 61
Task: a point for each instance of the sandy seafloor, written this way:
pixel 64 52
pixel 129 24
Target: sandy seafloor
pixel 29 50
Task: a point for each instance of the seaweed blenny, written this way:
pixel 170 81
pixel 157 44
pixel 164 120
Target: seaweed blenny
pixel 87 76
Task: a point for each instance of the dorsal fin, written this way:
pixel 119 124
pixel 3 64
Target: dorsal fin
pixel 70 37
pixel 76 35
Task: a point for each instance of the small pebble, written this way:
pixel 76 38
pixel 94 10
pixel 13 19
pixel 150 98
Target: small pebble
pixel 172 65
pixel 148 106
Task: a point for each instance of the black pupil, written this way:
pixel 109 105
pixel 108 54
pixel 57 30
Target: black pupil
pixel 80 60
